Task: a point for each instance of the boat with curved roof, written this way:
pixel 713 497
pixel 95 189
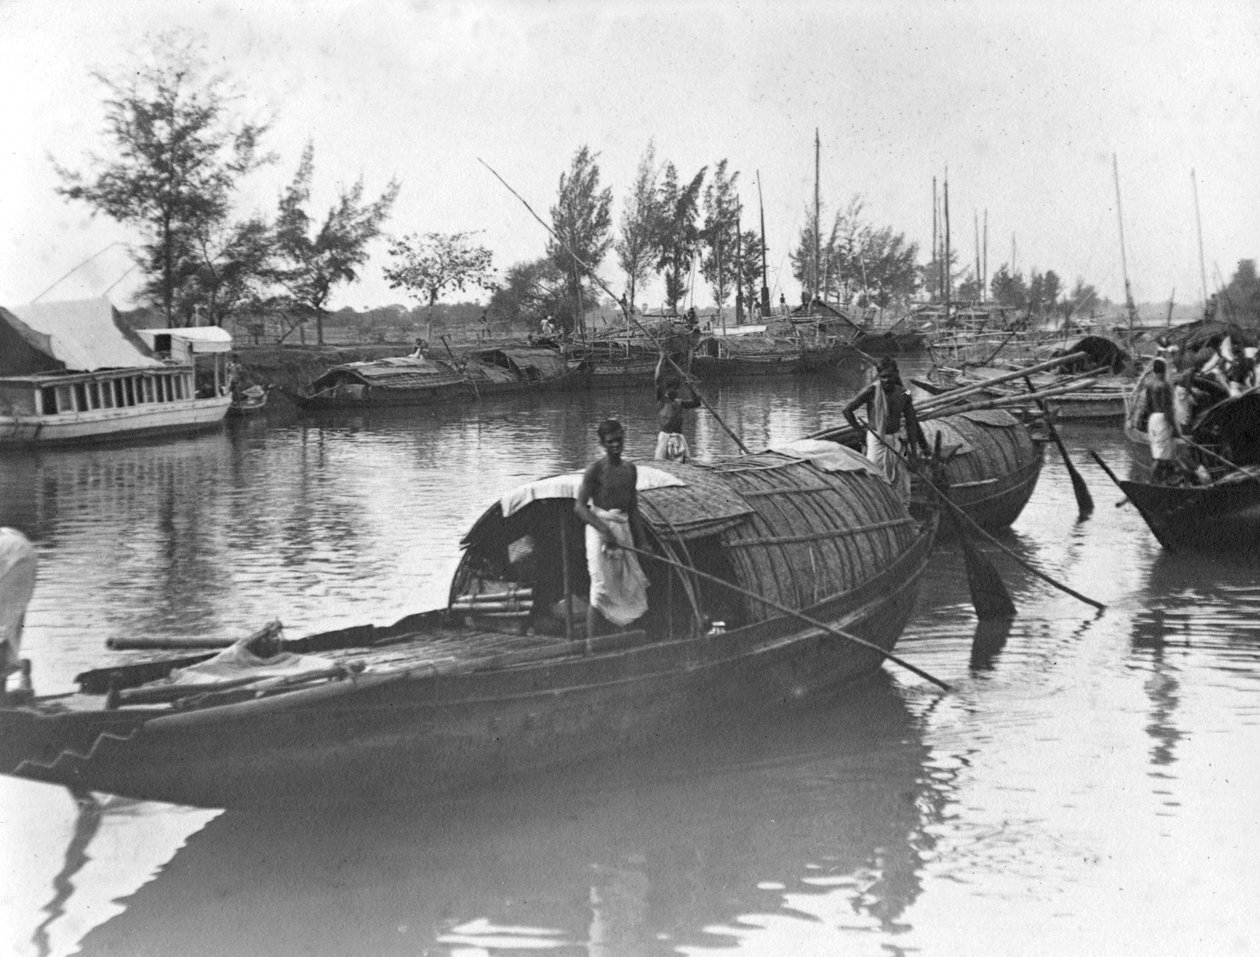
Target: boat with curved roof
pixel 502 682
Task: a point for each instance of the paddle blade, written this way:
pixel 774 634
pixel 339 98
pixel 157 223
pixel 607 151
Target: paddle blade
pixel 1084 501
pixel 989 596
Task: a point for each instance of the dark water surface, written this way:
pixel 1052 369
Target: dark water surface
pixel 1090 786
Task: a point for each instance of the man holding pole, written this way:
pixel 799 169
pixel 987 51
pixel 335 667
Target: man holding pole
pixel 887 405
pixel 671 444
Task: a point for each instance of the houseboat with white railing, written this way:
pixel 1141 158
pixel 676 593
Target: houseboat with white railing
pixel 72 372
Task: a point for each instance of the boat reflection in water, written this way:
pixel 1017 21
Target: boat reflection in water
pixel 823 813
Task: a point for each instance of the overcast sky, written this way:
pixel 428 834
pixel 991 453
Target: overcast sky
pixel 1024 103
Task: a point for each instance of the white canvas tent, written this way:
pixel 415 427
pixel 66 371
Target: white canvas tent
pixel 80 335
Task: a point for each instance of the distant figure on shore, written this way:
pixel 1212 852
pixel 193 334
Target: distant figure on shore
pixel 608 502
pixel 547 328
pixel 888 405
pixel 485 325
pixel 671 444
pixel 422 349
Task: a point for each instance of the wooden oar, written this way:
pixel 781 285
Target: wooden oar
pixel 629 316
pixel 784 609
pixel 1006 377
pixel 1084 501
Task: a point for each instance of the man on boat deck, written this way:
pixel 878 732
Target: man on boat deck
pixel 887 404
pixel 607 501
pixel 1161 422
pixel 671 444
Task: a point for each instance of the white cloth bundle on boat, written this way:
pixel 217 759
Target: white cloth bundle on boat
pixel 618 585
pixel 17 583
pixel 828 456
pixel 237 661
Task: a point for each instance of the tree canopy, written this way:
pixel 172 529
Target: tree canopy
pixel 860 263
pixel 582 222
pixel 721 226
pixel 635 247
pixel 320 255
pixel 177 154
pixel 427 266
pixel 677 236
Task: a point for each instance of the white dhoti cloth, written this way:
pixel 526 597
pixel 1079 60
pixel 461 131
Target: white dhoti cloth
pixel 17 583
pixel 671 447
pixel 1160 433
pixel 618 585
pixel 891 465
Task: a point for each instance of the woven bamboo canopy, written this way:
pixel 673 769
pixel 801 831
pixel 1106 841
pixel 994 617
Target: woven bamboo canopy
pixel 991 444
pixel 772 523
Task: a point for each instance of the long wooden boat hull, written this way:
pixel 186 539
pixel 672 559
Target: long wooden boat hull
pixel 177 417
pixel 1223 518
pixel 422 731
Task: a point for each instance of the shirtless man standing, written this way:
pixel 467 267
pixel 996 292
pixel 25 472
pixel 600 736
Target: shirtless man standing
pixel 607 501
pixel 671 444
pixel 888 405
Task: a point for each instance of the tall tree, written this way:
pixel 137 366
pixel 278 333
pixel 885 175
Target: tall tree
pixel 858 261
pixel 635 250
pixel 176 156
pixel 582 219
pixel 721 223
pixel 320 256
pixel 677 237
pixel 747 265
pixel 1008 289
pixel 230 269
pixel 428 265
pixel 1083 298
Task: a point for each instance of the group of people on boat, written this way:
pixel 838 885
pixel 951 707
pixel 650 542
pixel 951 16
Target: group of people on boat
pixel 1177 388
pixel 607 500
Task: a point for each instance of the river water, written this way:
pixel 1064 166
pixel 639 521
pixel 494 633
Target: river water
pixel 1089 786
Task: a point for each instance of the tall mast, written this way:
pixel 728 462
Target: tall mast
pixel 1198 223
pixel 765 286
pixel 817 207
pixel 984 280
pixel 949 280
pixel 976 216
pixel 739 264
pixel 1124 263
pixel 936 258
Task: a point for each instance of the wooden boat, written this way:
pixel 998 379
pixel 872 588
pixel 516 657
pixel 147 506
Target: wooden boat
pixel 1221 514
pixel 385 382
pixel 248 401
pixel 490 688
pixel 778 348
pixel 628 356
pixel 990 468
pixel 1101 399
pixel 1221 517
pixel 72 373
pixel 511 367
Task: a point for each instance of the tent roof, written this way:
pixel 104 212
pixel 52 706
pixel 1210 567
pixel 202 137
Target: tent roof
pixel 82 335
